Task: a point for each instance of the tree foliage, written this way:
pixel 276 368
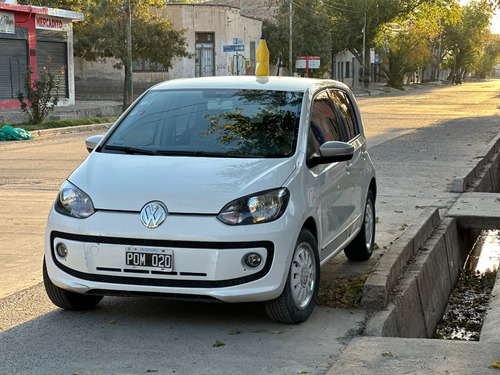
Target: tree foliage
pixel 495 4
pixel 410 41
pixel 311 34
pixel 489 56
pixel 350 17
pixel 463 41
pixel 42 93
pixel 102 35
pixel 411 33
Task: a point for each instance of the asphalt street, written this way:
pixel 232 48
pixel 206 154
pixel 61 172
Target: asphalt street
pixel 420 140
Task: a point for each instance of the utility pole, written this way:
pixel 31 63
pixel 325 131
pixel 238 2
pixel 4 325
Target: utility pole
pixel 364 51
pixel 439 58
pixel 290 59
pixel 130 87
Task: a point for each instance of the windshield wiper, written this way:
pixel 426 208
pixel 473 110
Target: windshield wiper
pixel 129 150
pixel 215 154
pixel 192 153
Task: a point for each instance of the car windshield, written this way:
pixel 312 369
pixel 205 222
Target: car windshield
pixel 210 122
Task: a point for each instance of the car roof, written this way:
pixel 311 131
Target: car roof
pixel 249 83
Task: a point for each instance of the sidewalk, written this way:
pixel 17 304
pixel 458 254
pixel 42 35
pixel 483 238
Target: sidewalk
pixel 100 108
pixel 81 109
pixel 414 170
pixel 417 172
pixel 420 171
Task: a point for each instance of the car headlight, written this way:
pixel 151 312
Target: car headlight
pixel 72 201
pixel 262 207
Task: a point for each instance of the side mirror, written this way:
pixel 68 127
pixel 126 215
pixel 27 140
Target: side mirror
pixel 92 142
pixel 332 152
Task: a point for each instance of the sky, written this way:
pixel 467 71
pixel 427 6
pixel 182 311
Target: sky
pixel 495 23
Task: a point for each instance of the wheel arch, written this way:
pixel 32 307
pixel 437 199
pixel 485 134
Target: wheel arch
pixel 310 225
pixel 373 187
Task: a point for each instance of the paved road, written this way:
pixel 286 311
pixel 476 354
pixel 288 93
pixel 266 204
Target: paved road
pixel 419 140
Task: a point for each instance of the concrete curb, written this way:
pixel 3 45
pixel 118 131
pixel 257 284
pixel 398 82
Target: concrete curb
pixel 422 293
pixel 491 324
pixel 70 129
pixel 81 109
pixel 384 276
pixel 461 184
pixel 411 283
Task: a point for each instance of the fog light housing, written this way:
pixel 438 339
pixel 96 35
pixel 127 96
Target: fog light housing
pixel 252 260
pixel 62 250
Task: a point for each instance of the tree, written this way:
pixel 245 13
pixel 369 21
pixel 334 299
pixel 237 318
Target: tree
pixel 489 56
pixel 409 41
pixel 311 34
pixel 464 40
pixel 102 35
pixel 351 17
pixel 495 4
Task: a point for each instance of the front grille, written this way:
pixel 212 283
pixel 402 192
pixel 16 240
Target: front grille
pixel 129 280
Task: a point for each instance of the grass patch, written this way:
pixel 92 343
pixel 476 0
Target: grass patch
pixel 343 292
pixel 67 123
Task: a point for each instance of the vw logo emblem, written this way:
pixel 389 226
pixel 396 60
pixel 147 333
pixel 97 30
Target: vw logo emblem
pixel 153 214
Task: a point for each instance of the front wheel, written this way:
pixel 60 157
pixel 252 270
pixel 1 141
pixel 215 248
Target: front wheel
pixel 296 302
pixel 361 248
pixel 66 299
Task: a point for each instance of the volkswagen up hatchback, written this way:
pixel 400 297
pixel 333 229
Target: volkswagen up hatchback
pixel 234 189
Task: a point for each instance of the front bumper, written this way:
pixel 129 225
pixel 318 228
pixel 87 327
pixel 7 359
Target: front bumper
pixel 207 256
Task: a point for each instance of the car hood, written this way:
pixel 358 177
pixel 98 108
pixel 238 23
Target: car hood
pixel 198 185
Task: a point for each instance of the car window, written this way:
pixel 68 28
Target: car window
pixel 326 124
pixel 343 105
pixel 211 122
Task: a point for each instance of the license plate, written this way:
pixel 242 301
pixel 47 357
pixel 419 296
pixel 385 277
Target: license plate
pixel 149 258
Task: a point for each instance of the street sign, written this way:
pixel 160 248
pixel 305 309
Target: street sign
pixel 307 62
pixel 314 62
pixel 300 63
pixel 233 48
pixel 237 40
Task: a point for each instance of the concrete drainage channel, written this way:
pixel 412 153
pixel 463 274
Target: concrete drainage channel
pixel 409 287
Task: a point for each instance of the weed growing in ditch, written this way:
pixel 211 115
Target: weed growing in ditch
pixel 342 292
pixel 464 315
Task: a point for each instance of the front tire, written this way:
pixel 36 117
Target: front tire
pixel 296 302
pixel 361 248
pixel 66 299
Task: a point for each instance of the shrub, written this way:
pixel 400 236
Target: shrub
pixel 42 94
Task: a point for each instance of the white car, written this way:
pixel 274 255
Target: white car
pixel 234 189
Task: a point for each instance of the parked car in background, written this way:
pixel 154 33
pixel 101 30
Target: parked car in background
pixel 234 189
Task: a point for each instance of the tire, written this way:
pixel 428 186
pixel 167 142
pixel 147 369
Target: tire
pixel 361 248
pixel 296 302
pixel 66 299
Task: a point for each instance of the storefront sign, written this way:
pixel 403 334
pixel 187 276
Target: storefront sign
pixel 7 23
pixel 307 62
pixel 49 23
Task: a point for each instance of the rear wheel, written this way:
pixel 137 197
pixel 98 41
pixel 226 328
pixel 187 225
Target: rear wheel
pixel 66 299
pixel 361 248
pixel 297 301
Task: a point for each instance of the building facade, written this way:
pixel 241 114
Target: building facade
pixel 220 41
pixel 29 36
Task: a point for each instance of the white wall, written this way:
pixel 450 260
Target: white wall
pixel 225 22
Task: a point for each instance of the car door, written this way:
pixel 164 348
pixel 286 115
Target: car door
pixel 332 181
pixel 355 167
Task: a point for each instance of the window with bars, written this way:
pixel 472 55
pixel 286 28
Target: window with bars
pixel 205 55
